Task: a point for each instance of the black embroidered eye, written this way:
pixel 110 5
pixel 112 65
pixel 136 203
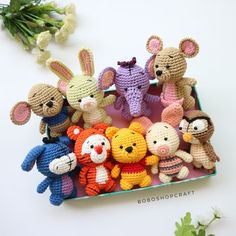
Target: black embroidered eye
pixel 195 128
pixel 41 105
pixel 121 147
pixel 91 146
pixel 165 139
pixel 52 98
pixel 134 144
pixel 154 142
pixel 79 100
pixel 92 96
pixel 167 67
pixel 103 143
pixel 156 66
pixel 139 87
pixel 180 128
pixel 126 89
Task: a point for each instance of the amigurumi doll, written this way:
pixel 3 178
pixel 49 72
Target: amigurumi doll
pixel 54 160
pixel 132 84
pixel 169 66
pixel 92 149
pixel 163 142
pixel 197 128
pixel 82 91
pixel 47 102
pixel 129 149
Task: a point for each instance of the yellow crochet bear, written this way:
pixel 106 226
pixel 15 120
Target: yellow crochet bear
pixel 129 150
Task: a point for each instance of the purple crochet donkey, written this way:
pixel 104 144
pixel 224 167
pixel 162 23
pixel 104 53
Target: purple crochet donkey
pixel 132 84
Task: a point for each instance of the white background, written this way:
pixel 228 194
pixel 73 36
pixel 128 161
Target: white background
pixel 118 30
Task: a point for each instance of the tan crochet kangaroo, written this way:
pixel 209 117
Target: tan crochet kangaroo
pixel 169 66
pixel 82 91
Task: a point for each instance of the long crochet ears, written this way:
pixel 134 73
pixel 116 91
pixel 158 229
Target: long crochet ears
pixel 62 71
pixel 172 114
pixel 86 61
pixel 31 158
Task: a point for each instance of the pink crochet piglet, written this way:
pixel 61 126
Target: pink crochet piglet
pixel 163 141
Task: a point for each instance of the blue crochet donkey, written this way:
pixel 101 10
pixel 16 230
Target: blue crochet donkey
pixel 54 160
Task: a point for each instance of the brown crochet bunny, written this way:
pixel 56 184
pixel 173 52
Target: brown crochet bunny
pixel 45 101
pixel 169 66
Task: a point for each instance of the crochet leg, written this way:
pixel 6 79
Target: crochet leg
pixel 126 115
pixel 164 178
pixel 146 182
pixel 154 169
pixel 146 111
pixel 92 189
pixel 56 200
pixel 125 185
pixel 197 164
pixel 87 125
pixel 183 173
pixel 110 186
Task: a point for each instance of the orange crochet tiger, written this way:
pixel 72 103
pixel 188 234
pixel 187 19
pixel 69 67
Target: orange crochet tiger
pixel 92 150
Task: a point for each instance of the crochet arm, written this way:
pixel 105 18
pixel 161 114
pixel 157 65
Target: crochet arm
pixel 208 148
pixel 110 99
pixel 42 127
pixel 119 102
pixel 43 185
pixel 109 165
pixel 151 160
pixel 151 98
pixel 115 172
pixel 76 116
pixel 187 81
pixel 184 156
pixel 83 175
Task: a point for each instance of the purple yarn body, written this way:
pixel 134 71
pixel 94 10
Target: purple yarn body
pixel 132 84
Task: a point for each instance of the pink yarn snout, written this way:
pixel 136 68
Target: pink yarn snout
pixel 163 150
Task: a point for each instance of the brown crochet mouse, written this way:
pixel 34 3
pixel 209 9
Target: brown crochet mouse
pixel 47 102
pixel 169 66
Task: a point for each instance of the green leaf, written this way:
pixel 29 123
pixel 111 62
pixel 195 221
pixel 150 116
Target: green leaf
pixel 15 5
pixel 211 234
pixel 186 228
pixel 201 232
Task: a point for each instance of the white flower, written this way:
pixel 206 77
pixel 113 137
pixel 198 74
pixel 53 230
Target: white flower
pixel 70 19
pixel 217 212
pixel 70 9
pixel 43 39
pixel 202 220
pixel 61 36
pixel 43 56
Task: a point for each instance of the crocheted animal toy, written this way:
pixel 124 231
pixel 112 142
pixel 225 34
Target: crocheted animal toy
pixel 132 84
pixel 163 142
pixel 92 149
pixel 169 66
pixel 54 160
pixel 82 91
pixel 47 102
pixel 197 128
pixel 129 150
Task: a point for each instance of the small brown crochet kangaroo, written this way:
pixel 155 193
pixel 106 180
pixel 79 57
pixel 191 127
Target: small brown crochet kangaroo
pixel 169 66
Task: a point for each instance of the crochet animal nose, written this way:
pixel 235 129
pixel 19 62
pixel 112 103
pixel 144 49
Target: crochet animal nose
pixel 49 104
pixel 98 149
pixel 159 72
pixel 129 149
pixel 163 150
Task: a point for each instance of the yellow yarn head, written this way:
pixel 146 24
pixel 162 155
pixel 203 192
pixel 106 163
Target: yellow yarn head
pixel 128 144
